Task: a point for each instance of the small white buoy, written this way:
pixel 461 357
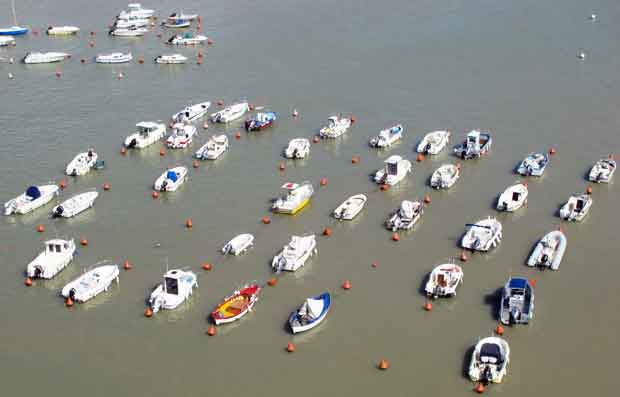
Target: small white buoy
pixel 11 76
pixel 593 17
pixel 11 60
pixel 120 75
pixel 581 55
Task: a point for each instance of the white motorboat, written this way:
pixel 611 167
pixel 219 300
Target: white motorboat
pixel 444 280
pixel 177 23
pixel 395 170
pixel 6 41
pixel 82 163
pixel 476 145
pixel 91 283
pixel 297 148
pixel 62 30
pixel 136 10
pixel 489 360
pixel 182 136
pixel 230 113
pixel 182 16
pixel 295 254
pixel 445 176
pixel 335 127
pixel 482 235
pixel 75 205
pixel 56 256
pixel 238 245
pixel 350 207
pixel 171 59
pixel 297 197
pixel 147 133
pixel 128 32
pixel 33 198
pixel 513 198
pixel 406 216
pixel 45 57
pixel 310 314
pixel 214 148
pixel 534 164
pixel 115 57
pixel 177 287
pixel 576 208
pixel 434 142
pixel 387 137
pixel 191 113
pixel 517 302
pixel 549 251
pixel 603 171
pixel 131 22
pixel 187 39
pixel 171 179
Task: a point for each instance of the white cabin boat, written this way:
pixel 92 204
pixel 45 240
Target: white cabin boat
pixel 147 133
pixel 213 149
pixel 75 205
pixel 476 145
pixel 129 32
pixel 297 148
pixel 513 198
pixel 387 137
pixel 238 245
pixel 136 10
pixel 444 280
pixel 171 179
pixel 91 283
pixel 310 314
pixel 297 197
pixel 395 170
pixel 489 360
pixel 177 287
pixel 6 41
pixel 191 113
pixel 45 57
pixel 336 126
pixel 62 30
pixel 115 57
pixel 534 164
pixel 182 136
pixel 549 251
pixel 182 16
pixel 82 163
pixel 576 208
pixel 603 171
pixel 406 216
pixel 230 113
pixel 171 59
pixel 295 254
pixel 434 142
pixel 350 207
pixel 483 235
pixel 56 256
pixel 33 198
pixel 445 176
pixel 187 39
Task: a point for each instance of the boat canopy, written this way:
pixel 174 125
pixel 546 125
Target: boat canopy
pixel 490 353
pixel 517 283
pixel 312 308
pixel 171 175
pixel 393 159
pixel 33 192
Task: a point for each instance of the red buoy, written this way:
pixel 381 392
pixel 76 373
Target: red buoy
pixel 237 135
pixel 123 150
pixel 211 331
pixel 148 312
pixel 355 159
pixel 346 284
pixel 383 364
pixel 533 282
pixel 266 220
pixel 205 125
pixel 127 265
pixel 106 186
pixel 84 242
pixel 589 190
pixel 384 187
pixel 69 302
pixel 427 198
pixel 282 167
pixel 220 102
pixel 499 330
pixel 295 113
pixel 62 184
pixel 395 237
pixel 155 194
pixel 290 347
pixel 195 164
pixel 58 73
pixel 552 150
pixel 272 282
pixel 162 152
pixel 210 41
pixel 327 232
pixel 92 33
pixel 199 61
pixel 91 43
pixel 420 157
pixel 479 388
pixel 251 106
pixel 323 182
pixel 464 257
pixel 28 282
pixel 428 306
pixel 40 228
pixel 353 119
pixel 374 265
pixel 82 60
pixel 316 139
pixel 207 266
pixel 188 223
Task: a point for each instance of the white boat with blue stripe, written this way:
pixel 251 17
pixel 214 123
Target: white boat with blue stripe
pixel 310 314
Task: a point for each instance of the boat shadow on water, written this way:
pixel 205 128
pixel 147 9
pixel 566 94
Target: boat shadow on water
pixel 493 301
pixel 467 361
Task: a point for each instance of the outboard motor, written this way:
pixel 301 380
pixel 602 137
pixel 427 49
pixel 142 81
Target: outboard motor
pixel 133 143
pixel 38 272
pixel 74 172
pixel 59 211
pixel 427 148
pixel 295 153
pixel 486 376
pixel 164 184
pixel 72 292
pixel 544 261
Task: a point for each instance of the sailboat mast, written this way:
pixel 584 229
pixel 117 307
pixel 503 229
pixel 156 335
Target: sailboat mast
pixel 14 13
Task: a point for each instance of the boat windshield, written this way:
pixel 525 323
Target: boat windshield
pixel 392 168
pixel 172 286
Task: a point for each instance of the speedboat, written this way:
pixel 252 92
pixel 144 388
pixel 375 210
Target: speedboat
pixel 171 179
pixel 62 30
pixel 395 170
pixel 191 113
pixel 260 121
pixel 33 198
pixel 82 163
pixel 187 39
pixel 115 57
pixel 350 207
pixel 6 41
pixel 534 164
pixel 171 59
pixel 181 15
pixel 45 57
pixel 297 197
pixel 131 22
pixel 239 244
pixel 335 127
pixel 177 23
pixel 549 251
pixel 75 205
pixel 91 283
pixel 576 208
pixel 56 256
pixel 230 113
pixel 310 314
pixel 489 360
pixel 147 134
pixel 517 304
pixel 128 32
pixel 434 142
pixel 406 216
pixel 444 280
pixel 295 254
pixel 445 176
pixel 603 171
pixel 513 198
pixel 482 235
pixel 387 137
pixel 136 10
pixel 13 31
pixel 214 148
pixel 477 144
pixel 177 287
pixel 236 305
pixel 182 136
pixel 297 148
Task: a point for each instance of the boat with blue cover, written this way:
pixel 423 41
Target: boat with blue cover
pixel 310 314
pixel 33 198
pixel 517 304
pixel 171 179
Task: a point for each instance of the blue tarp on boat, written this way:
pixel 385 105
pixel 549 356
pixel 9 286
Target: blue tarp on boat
pixel 172 176
pixel 519 283
pixel 33 192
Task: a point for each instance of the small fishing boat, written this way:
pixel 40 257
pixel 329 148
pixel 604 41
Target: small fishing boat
pixel 147 133
pixel 56 255
pixel 187 39
pixel 75 205
pixel 14 30
pixel 477 144
pixel 131 22
pixel 260 121
pixel 406 216
pixel 33 198
pixel 177 287
pixel 115 57
pixel 387 137
pixel 45 57
pixel 295 254
pixel 128 32
pixel 91 283
pixel 177 23
pixel 182 136
pixel 534 164
pixel 172 59
pixel 236 305
pixel 191 113
pixel 489 360
pixel 445 176
pixel 513 198
pixel 310 314
pixel 171 179
pixel 82 163
pixel 434 142
pixel 62 30
pixel 603 171
pixel 517 303
pixel 297 148
pixel 395 170
pixel 576 208
pixel 214 148
pixel 175 16
pixel 231 113
pixel 549 251
pixel 336 126
pixel 6 41
pixel 350 207
pixel 136 10
pixel 444 280
pixel 482 235
pixel 238 245
pixel 297 197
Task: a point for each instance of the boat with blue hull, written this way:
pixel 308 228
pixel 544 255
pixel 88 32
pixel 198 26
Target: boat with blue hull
pixel 310 314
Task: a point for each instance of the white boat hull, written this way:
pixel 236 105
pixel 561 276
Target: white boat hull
pixel 75 205
pixel 549 251
pixel 238 245
pixel 513 198
pixel 298 148
pixel 294 256
pixel 483 236
pixel 22 204
pixel 434 142
pixel 81 164
pixel 91 283
pixel 350 207
pixel 56 256
pixel 231 113
pixel 164 184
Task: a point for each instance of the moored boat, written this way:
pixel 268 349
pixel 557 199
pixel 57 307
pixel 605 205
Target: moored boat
pixel 477 144
pixel 45 57
pixel 82 163
pixel 58 253
pixel 489 360
pixel 387 137
pixel 91 283
pixel 296 198
pixel 513 198
pixel 136 10
pixel 213 149
pixel 444 280
pixel 295 254
pixel 236 305
pixel 128 32
pixel 297 148
pixel 75 205
pixel 482 235
pixel 171 59
pixel 176 288
pixel 181 15
pixel 191 113
pixel 603 171
pixel 230 113
pixel 33 198
pixel 350 207
pixel 549 251
pixel 260 120
pixel 147 134
pixel 187 39
pixel 6 41
pixel 238 245
pixel 182 136
pixel 434 142
pixel 395 170
pixel 534 164
pixel 115 57
pixel 445 176
pixel 406 216
pixel 62 30
pixel 171 179
pixel 576 208
pixel 310 314
pixel 517 303
pixel 336 126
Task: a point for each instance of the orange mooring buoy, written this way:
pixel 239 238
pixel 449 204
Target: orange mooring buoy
pixel 206 266
pixel 28 282
pixel 155 194
pixel 346 284
pixel 383 364
pixel 272 282
pixel 323 182
pixel 533 282
pixel 374 265
pixel 290 347
pixel 162 152
pixel 420 157
pixel 211 331
pixel 127 265
pixel 123 150
pixel 384 187
pixel 282 167
pixel 141 60
pixel 355 159
pixel 316 139
pixel 327 232
pixel 106 186
pixel 120 75
pixel 58 73
pixel 353 119
pixel 199 61
pixel 479 388
pixel 205 125
pixel 188 223
pixel 589 190
pixel 251 106
pixel 69 302
pixel 464 257
pixel 84 242
pixel 220 102
pixel 499 330
pixel 40 228
pixel 428 306
pixel 237 135
pixel 427 198
pixel 62 184
pixel 552 150
pixel 195 164
pixel 266 220
pixel 148 312
pixel 209 41
pixel 395 237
